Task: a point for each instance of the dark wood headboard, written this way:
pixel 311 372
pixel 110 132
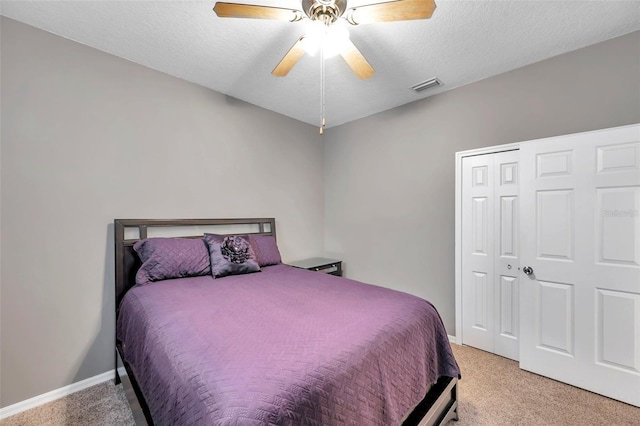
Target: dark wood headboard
pixel 127 261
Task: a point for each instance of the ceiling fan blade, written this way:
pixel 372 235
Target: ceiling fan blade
pixel 234 10
pixel 356 61
pixel 400 10
pixel 290 59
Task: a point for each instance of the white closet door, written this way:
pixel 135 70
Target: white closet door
pixel 580 234
pixel 490 295
pixel 477 252
pixel 506 263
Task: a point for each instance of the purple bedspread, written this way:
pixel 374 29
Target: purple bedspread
pixel 284 346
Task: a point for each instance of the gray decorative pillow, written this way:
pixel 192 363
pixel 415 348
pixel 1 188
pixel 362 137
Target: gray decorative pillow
pixel 266 249
pixel 166 258
pixel 230 255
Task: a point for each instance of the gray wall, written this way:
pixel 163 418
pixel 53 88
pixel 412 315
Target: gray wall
pixel 389 178
pixel 88 137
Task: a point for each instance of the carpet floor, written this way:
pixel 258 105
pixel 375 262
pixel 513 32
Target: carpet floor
pixel 100 405
pixel 493 391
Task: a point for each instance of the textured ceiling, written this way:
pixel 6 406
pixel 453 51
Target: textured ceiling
pixel 464 41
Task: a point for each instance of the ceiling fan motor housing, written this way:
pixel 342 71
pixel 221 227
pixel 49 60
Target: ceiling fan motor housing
pixel 325 11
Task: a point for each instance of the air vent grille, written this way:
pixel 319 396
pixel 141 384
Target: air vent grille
pixel 429 84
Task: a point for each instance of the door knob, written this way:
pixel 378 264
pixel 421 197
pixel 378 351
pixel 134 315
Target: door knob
pixel 527 270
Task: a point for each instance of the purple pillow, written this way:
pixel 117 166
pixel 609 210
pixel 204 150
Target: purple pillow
pixel 266 249
pixel 165 258
pixel 230 255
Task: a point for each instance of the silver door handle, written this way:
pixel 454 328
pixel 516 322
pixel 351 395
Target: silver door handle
pixel 527 270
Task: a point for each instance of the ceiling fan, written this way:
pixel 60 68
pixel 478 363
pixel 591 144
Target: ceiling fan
pixel 325 15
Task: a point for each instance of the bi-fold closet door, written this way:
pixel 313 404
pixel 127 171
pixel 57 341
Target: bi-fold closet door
pixel 548 257
pixel 490 266
pixel 580 242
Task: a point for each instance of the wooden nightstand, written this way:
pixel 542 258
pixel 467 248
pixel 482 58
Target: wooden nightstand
pixel 320 264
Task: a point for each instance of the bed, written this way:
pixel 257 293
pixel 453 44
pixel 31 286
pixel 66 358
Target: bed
pixel 282 346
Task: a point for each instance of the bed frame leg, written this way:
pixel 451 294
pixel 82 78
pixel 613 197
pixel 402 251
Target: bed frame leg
pixel 117 379
pixel 455 396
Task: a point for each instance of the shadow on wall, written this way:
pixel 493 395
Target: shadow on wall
pixel 100 354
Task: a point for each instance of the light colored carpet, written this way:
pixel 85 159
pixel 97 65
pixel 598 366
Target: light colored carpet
pixel 100 405
pixel 493 392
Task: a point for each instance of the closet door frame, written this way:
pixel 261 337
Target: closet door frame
pixel 458 226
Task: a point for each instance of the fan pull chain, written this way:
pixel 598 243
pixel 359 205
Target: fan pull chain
pixel 323 122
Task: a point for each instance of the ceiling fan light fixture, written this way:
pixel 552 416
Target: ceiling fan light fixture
pixel 335 40
pixel 331 39
pixel 314 37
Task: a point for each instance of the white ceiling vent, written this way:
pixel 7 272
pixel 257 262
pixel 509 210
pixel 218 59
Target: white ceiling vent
pixel 429 84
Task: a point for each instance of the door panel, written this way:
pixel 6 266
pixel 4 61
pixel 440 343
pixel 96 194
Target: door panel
pixel 555 319
pixel 555 224
pixel 553 164
pixel 480 176
pixel 617 158
pixel 509 173
pixel 580 233
pixel 506 264
pixel 480 225
pixel 508 228
pixel 480 289
pixel 490 226
pixel 509 300
pixel 617 341
pixel 477 247
pixel 618 224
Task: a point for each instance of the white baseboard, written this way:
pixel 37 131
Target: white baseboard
pixel 453 339
pixel 27 404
